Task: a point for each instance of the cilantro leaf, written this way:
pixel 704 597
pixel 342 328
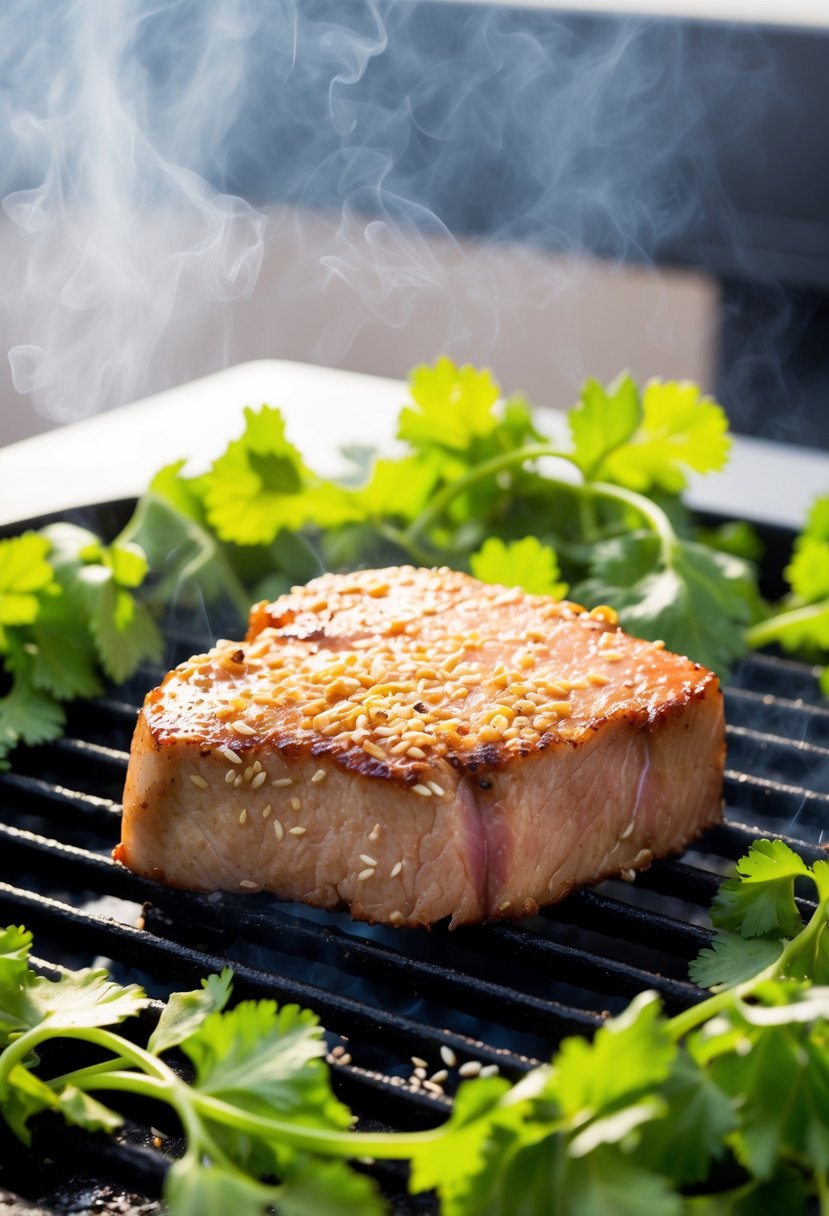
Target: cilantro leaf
pixel 523 563
pixel 78 999
pixel 185 1012
pixel 25 1095
pixel 760 898
pixel 328 1188
pixel 808 570
pixel 680 431
pixel 28 715
pixel 260 485
pixel 730 960
pixel 603 420
pixel 696 601
pixel 62 653
pixel 399 489
pixel 453 406
pixel 82 1110
pixel 26 578
pixel 692 1133
pixel 123 630
pixel 195 1188
pixel 630 1055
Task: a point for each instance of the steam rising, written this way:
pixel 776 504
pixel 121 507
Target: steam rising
pixel 153 140
pixel 115 235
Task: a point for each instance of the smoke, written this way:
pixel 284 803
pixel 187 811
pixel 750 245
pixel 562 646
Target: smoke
pixel 162 148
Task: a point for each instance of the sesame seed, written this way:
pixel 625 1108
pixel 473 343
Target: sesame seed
pixel 506 904
pixel 258 780
pixel 243 816
pixel 416 753
pixel 278 830
pixel 396 918
pixel 266 810
pixel 596 677
pixel 230 776
pixel 423 790
pixel 282 781
pixel 242 728
pixel 613 656
pixel 365 874
pixel 345 1058
pixel 247 885
pixel 248 772
pixel 449 1058
pixel 230 755
pixel 238 782
pixel 374 833
pixel 470 1069
pixel 366 860
pixel 257 766
pixel 489 1070
pixel 437 1078
pixel 418 1062
pixel 436 789
pixel 627 831
pixel 198 781
pixel 420 1073
pixel 628 875
pixel 318 776
pixel 374 750
pixel 297 831
pixel 396 868
pixel 432 1087
pixel 295 803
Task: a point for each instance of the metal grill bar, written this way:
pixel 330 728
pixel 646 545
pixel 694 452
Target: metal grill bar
pixel 503 994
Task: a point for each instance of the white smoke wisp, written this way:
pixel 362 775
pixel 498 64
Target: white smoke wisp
pixel 118 233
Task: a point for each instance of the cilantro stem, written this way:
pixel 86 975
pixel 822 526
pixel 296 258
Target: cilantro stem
pixel 822 1187
pixel 487 468
pixel 655 516
pixel 17 1051
pixel 682 1023
pixel 774 627
pixel 415 551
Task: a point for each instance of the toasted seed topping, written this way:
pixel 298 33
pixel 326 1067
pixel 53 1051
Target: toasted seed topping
pixel 258 780
pixel 278 829
pixel 449 1058
pixel 229 755
pixel 281 782
pixel 230 776
pixel 470 1069
pixel 297 831
pixel 238 782
pixel 436 789
pixel 374 834
pixel 396 917
pixel 613 656
pixel 243 815
pixel 242 728
pixel 437 1078
pixel 295 803
pixel 367 873
pixel 627 831
pixel 266 810
pixel 506 904
pixel 366 860
pixel 420 1073
pixel 198 781
pixel 318 776
pixel 247 885
pixel 419 1062
pixel 423 790
pixel 396 868
pixel 489 1070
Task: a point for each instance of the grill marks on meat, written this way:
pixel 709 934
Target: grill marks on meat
pixel 414 745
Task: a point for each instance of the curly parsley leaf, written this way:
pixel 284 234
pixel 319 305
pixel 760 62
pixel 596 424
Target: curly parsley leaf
pixel 697 601
pixel 603 420
pixel 525 563
pixel 26 579
pixel 260 484
pixel 185 1012
pixel 680 431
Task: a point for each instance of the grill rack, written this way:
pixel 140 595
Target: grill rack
pixel 503 994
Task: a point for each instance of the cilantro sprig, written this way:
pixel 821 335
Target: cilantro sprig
pixel 69 615
pixel 718 1109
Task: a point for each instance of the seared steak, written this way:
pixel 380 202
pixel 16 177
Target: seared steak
pixel 414 744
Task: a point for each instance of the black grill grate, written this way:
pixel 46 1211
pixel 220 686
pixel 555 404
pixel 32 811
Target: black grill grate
pixel 503 995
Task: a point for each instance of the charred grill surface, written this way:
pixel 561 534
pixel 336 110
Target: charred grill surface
pixel 501 995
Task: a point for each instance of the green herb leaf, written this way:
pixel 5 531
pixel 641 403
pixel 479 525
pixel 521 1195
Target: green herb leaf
pixel 697 601
pixel 760 898
pixel 185 1012
pixel 260 485
pixel 82 1110
pixel 523 563
pixel 28 715
pixel 730 960
pixel 680 431
pixel 603 420
pixel 698 1117
pixel 193 1188
pixel 454 406
pixel 78 999
pixel 399 489
pixel 329 1188
pixel 26 578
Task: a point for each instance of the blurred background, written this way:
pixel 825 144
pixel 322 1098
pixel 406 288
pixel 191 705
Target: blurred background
pixel 365 184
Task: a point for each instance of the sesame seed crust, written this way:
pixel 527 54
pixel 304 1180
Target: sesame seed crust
pixel 395 674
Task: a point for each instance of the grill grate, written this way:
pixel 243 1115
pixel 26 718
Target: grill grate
pixel 503 995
